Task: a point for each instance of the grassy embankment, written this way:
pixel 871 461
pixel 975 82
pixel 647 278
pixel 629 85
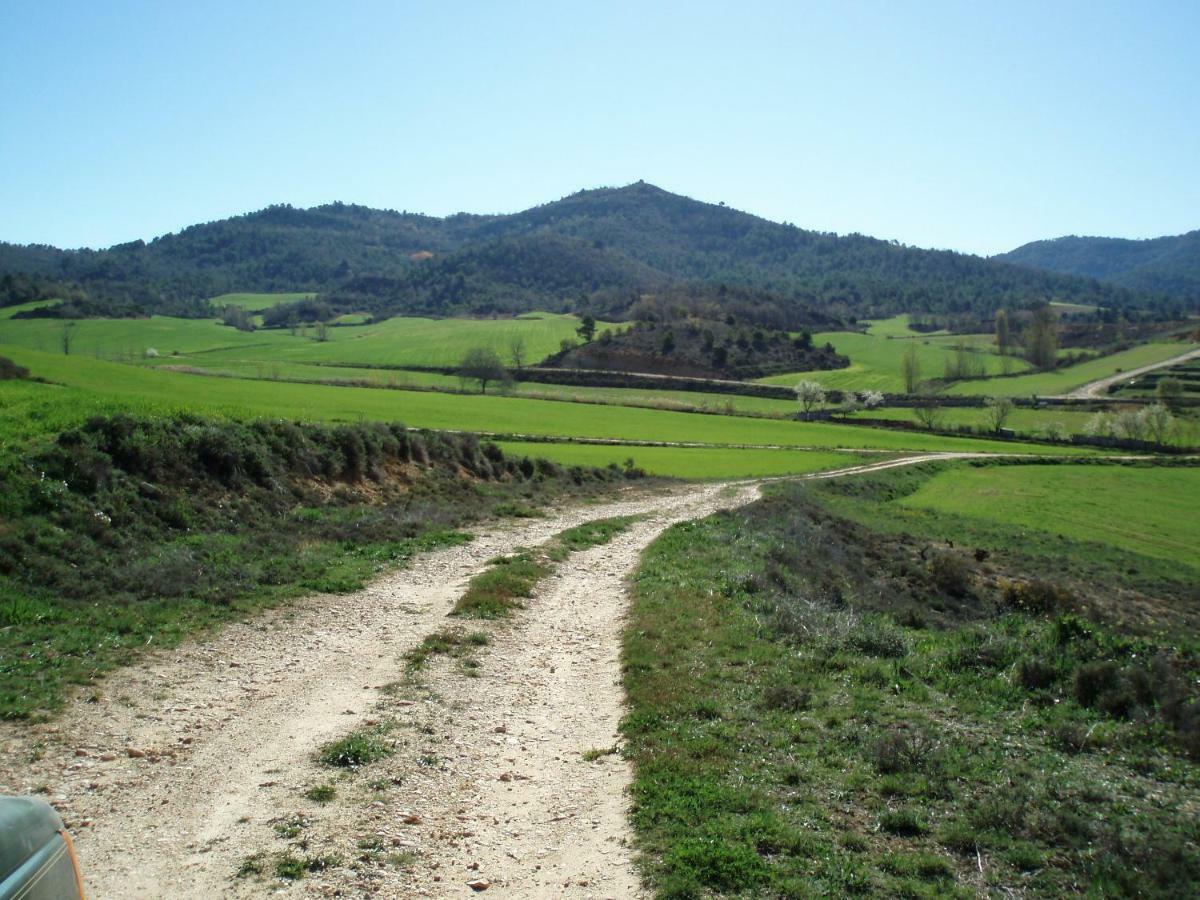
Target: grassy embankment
pixel 128 533
pixel 829 699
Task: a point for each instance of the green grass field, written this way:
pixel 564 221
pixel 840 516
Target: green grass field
pixel 1061 381
pixel 1026 421
pixel 875 357
pixel 422 342
pixel 394 342
pixel 128 340
pixel 7 312
pixel 257 302
pixel 402 378
pixel 690 462
pixel 1151 511
pixel 105 382
pixel 829 708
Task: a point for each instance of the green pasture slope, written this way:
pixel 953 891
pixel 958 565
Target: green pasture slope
pixel 394 342
pixel 1060 381
pixel 692 462
pixel 414 341
pixel 129 340
pixel 1151 511
pixel 7 312
pixel 875 357
pixel 111 382
pixel 257 302
pixel 414 380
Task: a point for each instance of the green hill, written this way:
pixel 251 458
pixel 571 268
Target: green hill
pixel 597 249
pixel 1165 265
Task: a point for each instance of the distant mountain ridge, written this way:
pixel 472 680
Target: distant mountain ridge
pixel 596 249
pixel 1165 265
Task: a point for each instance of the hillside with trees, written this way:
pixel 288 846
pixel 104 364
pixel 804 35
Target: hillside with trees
pixel 1165 265
pixel 602 248
pixel 699 348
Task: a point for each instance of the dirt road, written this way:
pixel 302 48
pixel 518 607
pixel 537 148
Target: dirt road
pixel 174 775
pixel 1099 388
pixel 179 771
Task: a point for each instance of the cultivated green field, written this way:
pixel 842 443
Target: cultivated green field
pixel 875 357
pixel 7 312
pixel 691 462
pixel 415 380
pixel 105 382
pixel 1061 381
pixel 257 302
pixel 1027 421
pixel 1146 510
pixel 394 342
pixel 128 340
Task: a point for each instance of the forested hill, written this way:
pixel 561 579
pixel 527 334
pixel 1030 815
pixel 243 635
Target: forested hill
pixel 597 249
pixel 1165 265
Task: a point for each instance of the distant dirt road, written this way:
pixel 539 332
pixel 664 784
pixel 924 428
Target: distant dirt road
pixel 1099 388
pixel 176 771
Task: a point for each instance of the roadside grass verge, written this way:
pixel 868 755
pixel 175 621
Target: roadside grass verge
pixel 821 708
pixel 495 592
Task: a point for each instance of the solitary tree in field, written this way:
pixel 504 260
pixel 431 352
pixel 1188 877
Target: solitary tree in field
pixel 1159 422
pixel 998 411
pixel 910 368
pixel 927 410
pixel 1041 338
pixel 586 329
pixel 67 337
pixel 516 352
pixel 481 364
pixel 811 395
pixel 1169 391
pixel 1003 332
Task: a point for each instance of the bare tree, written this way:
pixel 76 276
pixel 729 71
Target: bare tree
pixel 999 409
pixel 516 352
pixel 67 337
pixel 927 410
pixel 322 330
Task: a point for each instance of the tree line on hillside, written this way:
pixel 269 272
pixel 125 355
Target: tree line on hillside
pixel 593 250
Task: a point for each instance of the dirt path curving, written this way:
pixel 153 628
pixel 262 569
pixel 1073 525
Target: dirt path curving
pixel 173 771
pixel 1099 387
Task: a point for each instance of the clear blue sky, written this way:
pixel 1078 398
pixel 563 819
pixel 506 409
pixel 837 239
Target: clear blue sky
pixel 948 124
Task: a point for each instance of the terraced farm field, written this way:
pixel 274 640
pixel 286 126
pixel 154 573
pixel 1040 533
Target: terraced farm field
pixel 1062 381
